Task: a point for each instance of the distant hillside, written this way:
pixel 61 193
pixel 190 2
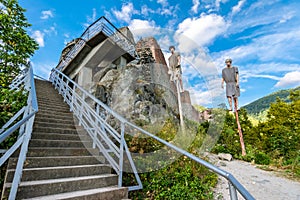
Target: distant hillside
pixel 264 103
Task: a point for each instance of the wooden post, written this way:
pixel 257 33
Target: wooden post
pixel 240 132
pixel 179 103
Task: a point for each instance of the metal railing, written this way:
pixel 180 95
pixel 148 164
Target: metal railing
pixel 93 115
pixel 104 25
pixel 24 125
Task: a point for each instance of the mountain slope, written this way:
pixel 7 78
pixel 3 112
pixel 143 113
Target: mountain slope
pixel 264 103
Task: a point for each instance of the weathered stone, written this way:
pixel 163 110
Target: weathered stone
pixel 109 78
pixel 225 156
pixel 222 164
pixel 99 73
pixel 152 44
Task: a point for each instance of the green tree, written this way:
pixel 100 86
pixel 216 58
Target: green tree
pixel 282 128
pixel 16 46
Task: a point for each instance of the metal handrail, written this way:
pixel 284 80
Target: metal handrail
pixel 24 125
pixel 108 140
pixel 71 96
pixel 104 25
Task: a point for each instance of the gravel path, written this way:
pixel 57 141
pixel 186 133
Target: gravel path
pixel 263 185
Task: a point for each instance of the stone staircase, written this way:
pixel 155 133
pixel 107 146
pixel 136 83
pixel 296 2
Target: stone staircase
pixel 59 162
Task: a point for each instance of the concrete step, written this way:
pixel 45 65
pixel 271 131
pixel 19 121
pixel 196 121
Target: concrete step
pixel 56 130
pixel 54 113
pixel 59 151
pixel 54 161
pixel 29 189
pixel 55 100
pixel 60 143
pixel 105 193
pixel 40 118
pixel 54 108
pixel 44 173
pixel 67 116
pixel 56 136
pixel 55 105
pixel 50 99
pixel 38 124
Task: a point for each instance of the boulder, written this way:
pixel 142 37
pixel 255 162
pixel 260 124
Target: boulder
pixel 225 156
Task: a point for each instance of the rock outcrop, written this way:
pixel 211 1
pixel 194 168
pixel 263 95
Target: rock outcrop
pixel 139 90
pixel 142 90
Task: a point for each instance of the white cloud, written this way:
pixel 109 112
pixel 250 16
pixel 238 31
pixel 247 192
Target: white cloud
pixel 277 47
pixel 143 28
pixel 39 38
pixel 50 31
pixel 266 76
pixel 145 10
pixel 194 32
pixel 126 12
pixel 242 89
pixel 207 94
pixel 238 7
pixel 290 79
pixel 43 69
pixel 286 17
pixel 93 17
pixel 90 19
pixel 196 4
pixel 218 3
pixel 197 64
pixel 164 3
pixel 166 11
pixel 46 14
pixel 263 15
pixel 66 38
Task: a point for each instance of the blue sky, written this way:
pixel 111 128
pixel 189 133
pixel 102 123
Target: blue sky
pixel 261 36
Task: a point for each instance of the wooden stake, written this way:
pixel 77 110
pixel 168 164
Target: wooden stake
pixel 179 104
pixel 240 132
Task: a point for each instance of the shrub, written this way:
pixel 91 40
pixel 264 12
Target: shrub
pixel 183 179
pixel 262 158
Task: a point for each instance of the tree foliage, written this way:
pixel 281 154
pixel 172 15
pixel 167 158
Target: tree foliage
pixel 262 104
pixel 16 46
pixel 275 140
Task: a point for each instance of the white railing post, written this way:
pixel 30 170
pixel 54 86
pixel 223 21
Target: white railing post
pixel 81 108
pixel 21 160
pixel 121 158
pixel 72 98
pixel 232 191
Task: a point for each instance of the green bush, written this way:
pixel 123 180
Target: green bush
pixel 181 179
pixel 10 103
pixel 262 158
